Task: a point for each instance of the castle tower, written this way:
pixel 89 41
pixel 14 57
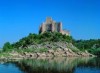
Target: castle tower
pixel 43 28
pixel 53 28
pixel 60 27
pixel 48 20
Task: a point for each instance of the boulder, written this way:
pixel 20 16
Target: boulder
pixel 50 51
pixel 49 55
pixel 65 49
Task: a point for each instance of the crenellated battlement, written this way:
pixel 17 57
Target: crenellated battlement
pixel 51 26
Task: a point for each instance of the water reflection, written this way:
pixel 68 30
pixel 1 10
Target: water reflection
pixel 55 65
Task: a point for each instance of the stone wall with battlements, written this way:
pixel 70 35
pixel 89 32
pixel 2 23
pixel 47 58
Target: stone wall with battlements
pixel 51 26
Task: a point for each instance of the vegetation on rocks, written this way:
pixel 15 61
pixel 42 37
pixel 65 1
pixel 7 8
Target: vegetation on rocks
pixel 40 43
pixel 36 39
pixel 41 38
pixel 7 47
pixel 92 45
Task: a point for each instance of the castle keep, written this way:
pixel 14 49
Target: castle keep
pixel 51 26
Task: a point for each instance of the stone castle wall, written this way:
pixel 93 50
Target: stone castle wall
pixel 52 26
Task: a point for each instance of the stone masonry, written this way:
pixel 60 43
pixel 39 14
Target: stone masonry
pixel 52 26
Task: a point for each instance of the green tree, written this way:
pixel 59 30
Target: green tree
pixel 7 47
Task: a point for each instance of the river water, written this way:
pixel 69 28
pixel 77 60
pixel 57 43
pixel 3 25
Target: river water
pixel 52 65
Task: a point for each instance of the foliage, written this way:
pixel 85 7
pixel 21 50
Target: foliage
pixel 95 51
pixel 7 47
pixel 5 54
pixel 91 45
pixel 40 38
pixel 40 50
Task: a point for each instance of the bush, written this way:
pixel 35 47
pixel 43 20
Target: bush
pixel 95 51
pixel 7 47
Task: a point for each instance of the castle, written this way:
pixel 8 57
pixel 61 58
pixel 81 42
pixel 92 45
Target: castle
pixel 52 26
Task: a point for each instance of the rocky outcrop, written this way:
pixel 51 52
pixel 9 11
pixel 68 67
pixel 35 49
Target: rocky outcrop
pixel 50 53
pixel 54 49
pixel 51 45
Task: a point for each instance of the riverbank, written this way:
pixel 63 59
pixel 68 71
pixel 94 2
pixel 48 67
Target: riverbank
pixel 49 64
pixel 50 53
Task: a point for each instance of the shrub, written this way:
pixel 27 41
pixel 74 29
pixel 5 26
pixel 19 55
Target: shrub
pixel 7 47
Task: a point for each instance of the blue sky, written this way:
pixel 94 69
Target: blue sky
pixel 18 18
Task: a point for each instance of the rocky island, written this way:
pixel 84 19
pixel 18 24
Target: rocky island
pixel 52 41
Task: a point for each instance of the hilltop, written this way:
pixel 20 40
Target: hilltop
pixel 52 40
pixel 48 44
